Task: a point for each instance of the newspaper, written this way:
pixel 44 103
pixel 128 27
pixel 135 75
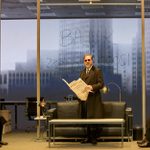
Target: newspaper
pixel 79 88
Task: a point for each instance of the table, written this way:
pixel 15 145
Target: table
pixel 16 103
pixel 38 119
pixel 53 122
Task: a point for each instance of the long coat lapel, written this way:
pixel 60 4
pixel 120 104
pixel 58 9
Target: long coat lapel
pixel 87 76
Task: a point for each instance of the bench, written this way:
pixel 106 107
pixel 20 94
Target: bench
pixel 53 122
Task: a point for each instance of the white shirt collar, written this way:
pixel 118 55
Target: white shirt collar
pixel 88 69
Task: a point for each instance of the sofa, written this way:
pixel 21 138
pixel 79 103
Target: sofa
pixel 72 110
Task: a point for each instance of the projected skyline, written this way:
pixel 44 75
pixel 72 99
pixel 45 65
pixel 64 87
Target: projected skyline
pixel 26 38
pixel 117 50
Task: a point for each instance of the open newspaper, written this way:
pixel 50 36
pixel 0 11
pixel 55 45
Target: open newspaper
pixel 79 88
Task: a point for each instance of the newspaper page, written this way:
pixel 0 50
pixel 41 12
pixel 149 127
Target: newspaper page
pixel 79 88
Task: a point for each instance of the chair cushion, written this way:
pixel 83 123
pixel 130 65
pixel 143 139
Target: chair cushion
pixel 114 109
pixel 68 110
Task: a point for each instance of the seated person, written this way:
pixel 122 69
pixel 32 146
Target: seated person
pixel 44 107
pixel 2 122
pixel 146 141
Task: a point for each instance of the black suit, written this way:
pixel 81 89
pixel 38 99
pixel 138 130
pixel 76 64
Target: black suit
pixel 2 122
pixel 92 108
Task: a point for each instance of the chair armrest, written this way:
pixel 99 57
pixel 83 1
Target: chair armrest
pixel 51 113
pixel 129 121
pixel 130 124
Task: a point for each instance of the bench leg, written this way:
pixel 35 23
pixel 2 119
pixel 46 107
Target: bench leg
pixel 49 135
pixel 122 136
pixel 54 133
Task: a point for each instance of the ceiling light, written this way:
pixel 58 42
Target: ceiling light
pixel 27 1
pixel 42 7
pixel 89 7
pixel 93 4
pixel 89 0
pixel 95 13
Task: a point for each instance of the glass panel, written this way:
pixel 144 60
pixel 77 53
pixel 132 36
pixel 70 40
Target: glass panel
pixel 114 44
pixel 0 53
pixel 18 61
pixel 147 47
pixel 111 33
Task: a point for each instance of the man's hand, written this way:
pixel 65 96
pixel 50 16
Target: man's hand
pixel 89 88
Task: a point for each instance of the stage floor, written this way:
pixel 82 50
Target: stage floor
pixel 27 141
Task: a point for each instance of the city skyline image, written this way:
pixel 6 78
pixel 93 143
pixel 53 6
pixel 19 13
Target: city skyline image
pixel 114 44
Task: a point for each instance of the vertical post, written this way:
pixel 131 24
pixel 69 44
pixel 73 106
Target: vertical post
pixel 38 67
pixel 143 70
pixel 0 40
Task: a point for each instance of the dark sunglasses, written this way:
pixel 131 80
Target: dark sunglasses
pixel 87 60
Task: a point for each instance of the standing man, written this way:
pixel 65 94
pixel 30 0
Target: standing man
pixel 92 108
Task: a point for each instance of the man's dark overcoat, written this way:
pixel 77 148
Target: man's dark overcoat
pixel 94 104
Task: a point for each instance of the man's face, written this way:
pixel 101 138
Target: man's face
pixel 88 62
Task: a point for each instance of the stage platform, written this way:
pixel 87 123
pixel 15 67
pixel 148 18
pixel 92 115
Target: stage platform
pixel 21 140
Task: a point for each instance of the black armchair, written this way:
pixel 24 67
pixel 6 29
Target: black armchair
pixel 31 107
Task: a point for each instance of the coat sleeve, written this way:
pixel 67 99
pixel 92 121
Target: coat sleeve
pixel 99 80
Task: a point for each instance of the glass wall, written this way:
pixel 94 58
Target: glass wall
pixel 114 42
pixel 147 49
pixel 18 59
pixel 113 48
